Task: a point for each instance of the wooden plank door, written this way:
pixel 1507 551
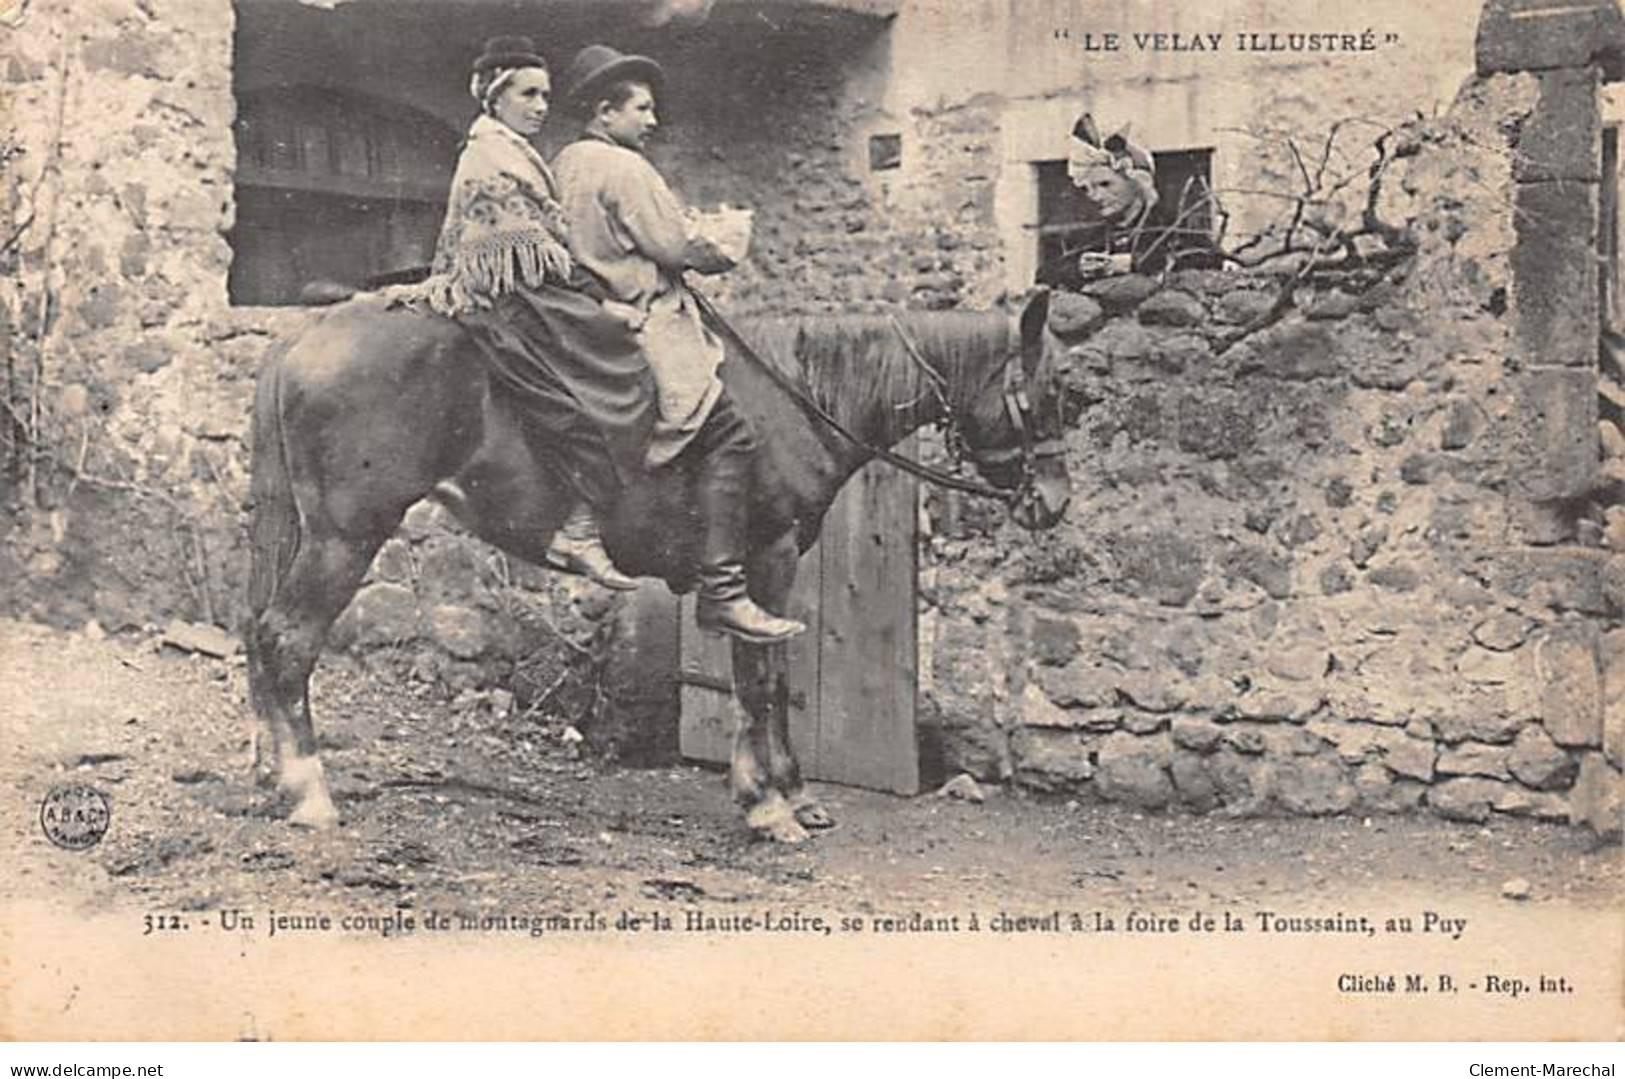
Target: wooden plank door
pixel 854 673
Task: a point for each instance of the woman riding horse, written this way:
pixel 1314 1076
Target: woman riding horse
pixel 503 268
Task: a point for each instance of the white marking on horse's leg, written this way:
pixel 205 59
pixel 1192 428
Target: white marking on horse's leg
pixel 771 818
pixel 303 778
pixel 746 775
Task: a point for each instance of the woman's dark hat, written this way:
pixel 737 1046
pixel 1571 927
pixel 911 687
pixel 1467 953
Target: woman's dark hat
pixel 505 52
pixel 597 66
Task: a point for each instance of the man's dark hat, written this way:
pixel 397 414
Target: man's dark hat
pixel 513 51
pixel 597 66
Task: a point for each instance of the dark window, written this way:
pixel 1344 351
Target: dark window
pixel 1184 178
pixel 333 186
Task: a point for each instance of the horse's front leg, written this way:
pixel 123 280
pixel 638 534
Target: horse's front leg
pixel 762 678
pixel 761 681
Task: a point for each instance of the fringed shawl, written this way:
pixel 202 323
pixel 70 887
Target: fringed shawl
pixel 504 225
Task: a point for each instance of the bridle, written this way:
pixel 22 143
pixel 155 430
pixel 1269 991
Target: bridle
pixel 1017 404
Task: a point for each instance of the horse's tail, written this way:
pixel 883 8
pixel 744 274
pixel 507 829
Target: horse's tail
pixel 275 530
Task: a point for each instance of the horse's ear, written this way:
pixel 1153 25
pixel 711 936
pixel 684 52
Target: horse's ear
pixel 1034 316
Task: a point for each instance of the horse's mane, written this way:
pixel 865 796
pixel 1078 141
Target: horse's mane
pixel 849 363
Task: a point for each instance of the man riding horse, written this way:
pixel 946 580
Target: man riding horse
pixel 572 324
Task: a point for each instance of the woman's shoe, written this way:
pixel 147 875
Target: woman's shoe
pixel 588 558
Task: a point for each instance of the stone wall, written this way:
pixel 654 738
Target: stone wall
pixel 129 377
pixel 1315 572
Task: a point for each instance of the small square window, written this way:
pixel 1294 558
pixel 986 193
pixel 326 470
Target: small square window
pixel 885 152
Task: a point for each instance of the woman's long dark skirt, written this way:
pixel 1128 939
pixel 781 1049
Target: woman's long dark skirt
pixel 579 378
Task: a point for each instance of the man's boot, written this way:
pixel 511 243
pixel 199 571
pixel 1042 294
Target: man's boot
pixel 579 546
pixel 724 604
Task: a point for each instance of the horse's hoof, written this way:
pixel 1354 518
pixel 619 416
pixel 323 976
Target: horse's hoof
pixel 773 820
pixel 814 816
pixel 316 814
pixel 785 831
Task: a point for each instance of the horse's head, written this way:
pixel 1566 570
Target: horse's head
pixel 1013 429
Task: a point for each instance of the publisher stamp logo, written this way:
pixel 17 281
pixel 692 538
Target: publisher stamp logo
pixel 74 818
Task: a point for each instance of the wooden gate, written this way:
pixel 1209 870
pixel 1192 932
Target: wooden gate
pixel 853 674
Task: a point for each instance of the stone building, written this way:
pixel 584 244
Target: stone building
pixel 1364 560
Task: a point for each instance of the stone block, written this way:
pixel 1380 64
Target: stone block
pixel 1612 585
pixel 1246 739
pixel 1244 783
pixel 1303 662
pixel 1597 799
pixel 1037 710
pixel 1193 783
pixel 1315 786
pixel 1161 566
pixel 1465 798
pixel 1295 351
pixel 1172 307
pixel 1480 666
pixel 1559 140
pixel 461 631
pixel 381 613
pixel 446 567
pixel 1378 791
pixel 1483 716
pixel 1330 306
pixel 1562 578
pixel 1463 419
pixel 1396 577
pixel 1196 733
pixel 1292 741
pixel 1243 306
pixel 1554 294
pixel 1051 760
pixel 1054 641
pixel 1134 769
pixel 1078 685
pixel 393 562
pixel 1158 691
pixel 1122 293
pixel 1136 722
pixel 1408 756
pixel 1503 631
pixel 1219 426
pixel 1536 761
pixel 1124 341
pixel 1515 801
pixel 1532 35
pixel 1281 703
pixel 1182 352
pixel 1072 316
pixel 1613 696
pixel 1568 684
pixel 1269 570
pixel 1475 759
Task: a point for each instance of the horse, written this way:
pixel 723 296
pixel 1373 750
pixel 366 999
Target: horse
pixel 378 404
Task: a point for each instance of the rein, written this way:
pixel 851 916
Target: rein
pixel 812 409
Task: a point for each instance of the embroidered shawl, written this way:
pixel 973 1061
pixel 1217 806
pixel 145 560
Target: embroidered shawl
pixel 504 225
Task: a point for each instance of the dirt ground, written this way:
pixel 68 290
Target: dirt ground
pixel 446 803
pixel 449 807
